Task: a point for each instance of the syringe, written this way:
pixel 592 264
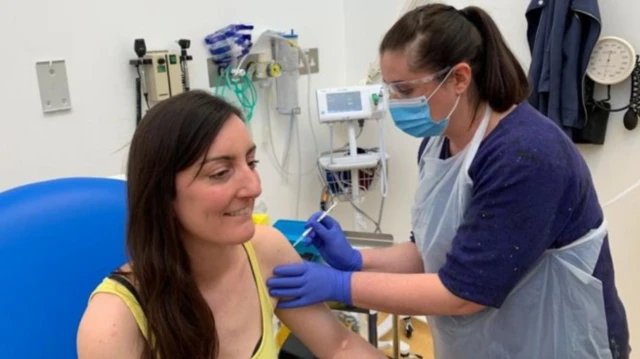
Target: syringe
pixel 308 230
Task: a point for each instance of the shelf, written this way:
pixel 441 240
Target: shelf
pixel 346 163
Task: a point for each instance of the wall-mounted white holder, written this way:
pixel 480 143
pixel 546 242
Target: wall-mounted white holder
pixel 54 87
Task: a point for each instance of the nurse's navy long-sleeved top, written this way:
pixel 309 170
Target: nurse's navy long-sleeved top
pixel 532 191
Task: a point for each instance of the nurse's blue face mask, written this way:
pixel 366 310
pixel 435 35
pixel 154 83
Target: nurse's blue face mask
pixel 413 115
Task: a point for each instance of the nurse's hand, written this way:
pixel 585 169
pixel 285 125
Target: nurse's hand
pixel 332 244
pixel 308 283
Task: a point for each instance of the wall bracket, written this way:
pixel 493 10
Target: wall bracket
pixel 54 86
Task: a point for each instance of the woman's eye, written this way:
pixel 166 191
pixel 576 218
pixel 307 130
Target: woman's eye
pixel 219 174
pixel 223 174
pixel 405 90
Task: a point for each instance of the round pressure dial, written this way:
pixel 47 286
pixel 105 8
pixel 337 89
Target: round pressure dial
pixel 612 61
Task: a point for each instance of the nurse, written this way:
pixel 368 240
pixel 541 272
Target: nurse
pixel 509 255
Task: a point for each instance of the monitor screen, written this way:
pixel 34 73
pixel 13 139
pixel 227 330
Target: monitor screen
pixel 344 102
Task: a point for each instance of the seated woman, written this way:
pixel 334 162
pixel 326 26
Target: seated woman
pixel 194 287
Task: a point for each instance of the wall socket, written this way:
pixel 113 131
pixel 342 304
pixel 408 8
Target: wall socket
pixel 314 63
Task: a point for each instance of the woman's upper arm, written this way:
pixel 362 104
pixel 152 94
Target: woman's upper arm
pixel 315 326
pixel 108 330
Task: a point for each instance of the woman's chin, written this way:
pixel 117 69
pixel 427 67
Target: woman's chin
pixel 239 232
pixel 244 233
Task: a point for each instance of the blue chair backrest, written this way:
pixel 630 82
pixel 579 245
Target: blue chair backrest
pixel 58 239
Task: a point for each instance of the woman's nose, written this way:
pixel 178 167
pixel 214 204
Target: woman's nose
pixel 250 184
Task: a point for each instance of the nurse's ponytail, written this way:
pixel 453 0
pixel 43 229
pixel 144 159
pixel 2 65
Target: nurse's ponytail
pixel 437 36
pixel 502 82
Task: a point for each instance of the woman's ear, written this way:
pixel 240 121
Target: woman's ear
pixel 462 76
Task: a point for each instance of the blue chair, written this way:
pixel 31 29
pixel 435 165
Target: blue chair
pixel 58 239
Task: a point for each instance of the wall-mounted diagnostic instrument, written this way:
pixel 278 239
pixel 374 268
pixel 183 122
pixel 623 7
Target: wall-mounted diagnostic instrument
pixel 161 74
pixel 613 60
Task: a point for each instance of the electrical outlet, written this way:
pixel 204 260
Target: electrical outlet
pixel 314 64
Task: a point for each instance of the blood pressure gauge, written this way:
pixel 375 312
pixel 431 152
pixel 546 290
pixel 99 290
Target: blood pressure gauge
pixel 612 61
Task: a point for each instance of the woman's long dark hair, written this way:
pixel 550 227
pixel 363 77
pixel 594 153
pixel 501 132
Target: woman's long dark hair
pixel 172 136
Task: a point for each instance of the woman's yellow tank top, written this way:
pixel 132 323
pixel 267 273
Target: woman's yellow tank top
pixel 266 348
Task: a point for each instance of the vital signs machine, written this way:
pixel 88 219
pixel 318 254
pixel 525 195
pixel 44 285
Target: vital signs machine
pixel 351 170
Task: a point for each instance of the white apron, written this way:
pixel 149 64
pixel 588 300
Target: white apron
pixel 557 309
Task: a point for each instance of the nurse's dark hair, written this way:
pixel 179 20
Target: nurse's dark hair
pixel 174 135
pixel 437 36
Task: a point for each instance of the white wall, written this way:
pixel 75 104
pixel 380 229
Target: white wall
pixel 96 40
pixel 615 166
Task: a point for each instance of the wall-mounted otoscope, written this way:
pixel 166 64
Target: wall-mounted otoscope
pixel 161 74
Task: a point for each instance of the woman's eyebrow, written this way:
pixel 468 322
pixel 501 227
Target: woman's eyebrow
pixel 228 157
pixel 219 157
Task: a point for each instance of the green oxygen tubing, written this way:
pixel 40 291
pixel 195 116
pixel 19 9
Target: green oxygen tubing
pixel 240 84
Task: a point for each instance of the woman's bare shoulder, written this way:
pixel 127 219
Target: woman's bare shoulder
pixel 272 248
pixel 108 330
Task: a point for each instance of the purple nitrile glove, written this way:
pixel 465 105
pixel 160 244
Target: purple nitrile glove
pixel 309 283
pixel 328 238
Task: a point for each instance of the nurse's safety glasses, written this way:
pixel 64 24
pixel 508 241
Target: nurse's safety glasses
pixel 406 88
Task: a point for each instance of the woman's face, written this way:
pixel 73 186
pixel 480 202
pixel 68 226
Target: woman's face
pixel 214 203
pixel 395 70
